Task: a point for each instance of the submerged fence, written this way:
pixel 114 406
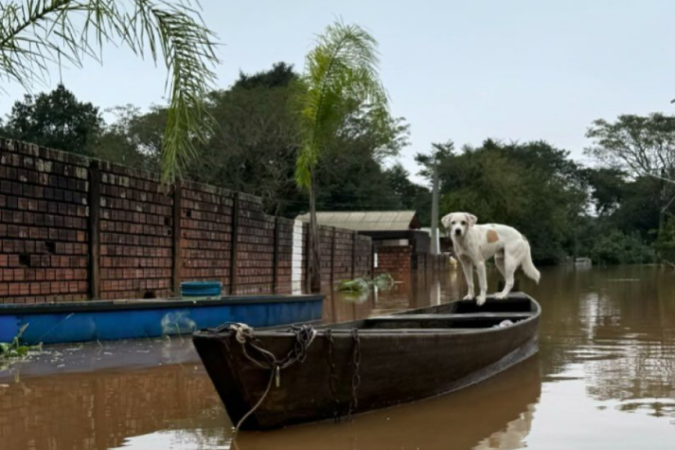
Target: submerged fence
pixel 73 228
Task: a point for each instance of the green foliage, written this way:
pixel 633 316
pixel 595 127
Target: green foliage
pixel 16 348
pixel 57 120
pixel 340 83
pixel 134 139
pixel 36 34
pixel 383 281
pixel 533 187
pixel 409 195
pixel 616 247
pixel 641 145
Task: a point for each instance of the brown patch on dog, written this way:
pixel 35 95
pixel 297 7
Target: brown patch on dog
pixel 492 236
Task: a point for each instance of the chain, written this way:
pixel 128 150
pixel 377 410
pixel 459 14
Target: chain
pixel 332 381
pixel 356 375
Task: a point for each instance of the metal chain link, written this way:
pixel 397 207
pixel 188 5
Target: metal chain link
pixel 333 380
pixel 356 374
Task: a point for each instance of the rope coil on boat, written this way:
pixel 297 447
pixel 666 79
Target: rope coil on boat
pixel 304 337
pixel 244 335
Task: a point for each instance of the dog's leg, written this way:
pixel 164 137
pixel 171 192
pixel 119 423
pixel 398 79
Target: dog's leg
pixel 499 262
pixel 510 266
pixel 467 267
pixel 482 282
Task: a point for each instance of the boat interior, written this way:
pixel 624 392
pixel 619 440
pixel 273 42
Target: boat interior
pixel 461 316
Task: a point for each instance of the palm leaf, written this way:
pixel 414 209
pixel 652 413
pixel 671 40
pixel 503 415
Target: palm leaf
pixel 38 34
pixel 341 74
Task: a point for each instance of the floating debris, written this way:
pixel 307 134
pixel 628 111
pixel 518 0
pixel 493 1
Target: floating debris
pixel 381 282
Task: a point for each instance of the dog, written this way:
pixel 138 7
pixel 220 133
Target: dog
pixel 474 244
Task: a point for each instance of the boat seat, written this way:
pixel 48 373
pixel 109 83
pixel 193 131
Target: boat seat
pixel 406 330
pixel 485 315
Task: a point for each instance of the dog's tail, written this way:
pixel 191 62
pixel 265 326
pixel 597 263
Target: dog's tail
pixel 528 265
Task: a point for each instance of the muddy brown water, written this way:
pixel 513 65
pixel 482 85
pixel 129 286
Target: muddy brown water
pixel 604 379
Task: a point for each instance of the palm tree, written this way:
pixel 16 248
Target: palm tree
pixel 340 79
pixel 36 35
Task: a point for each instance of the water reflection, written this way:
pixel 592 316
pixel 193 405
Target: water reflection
pixel 496 414
pixel 604 379
pixel 101 410
pixel 619 325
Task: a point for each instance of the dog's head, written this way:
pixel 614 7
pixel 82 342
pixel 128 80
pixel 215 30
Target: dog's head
pixel 458 223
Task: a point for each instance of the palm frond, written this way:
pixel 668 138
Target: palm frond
pixel 341 72
pixel 37 34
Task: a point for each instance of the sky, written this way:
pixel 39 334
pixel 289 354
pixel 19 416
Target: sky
pixel 464 71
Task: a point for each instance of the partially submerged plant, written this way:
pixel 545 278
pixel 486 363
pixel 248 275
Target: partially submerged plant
pixel 363 284
pixel 16 348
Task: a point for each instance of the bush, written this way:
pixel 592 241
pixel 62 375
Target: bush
pixel 616 247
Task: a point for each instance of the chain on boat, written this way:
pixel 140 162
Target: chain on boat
pixel 304 337
pixel 243 334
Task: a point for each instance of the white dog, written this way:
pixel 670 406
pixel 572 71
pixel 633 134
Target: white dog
pixel 475 244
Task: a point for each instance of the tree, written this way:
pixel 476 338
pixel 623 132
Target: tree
pixel 57 120
pixel 410 195
pixel 340 81
pixel 643 146
pixel 255 146
pixel 134 139
pixel 533 187
pixel 37 34
pixel 281 75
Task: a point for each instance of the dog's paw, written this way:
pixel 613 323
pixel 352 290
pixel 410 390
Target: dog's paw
pixel 480 300
pixel 501 296
pixel 469 297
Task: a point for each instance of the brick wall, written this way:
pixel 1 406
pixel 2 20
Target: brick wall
pixel 395 261
pixel 205 233
pixel 73 228
pixel 399 261
pixel 135 233
pixel 285 255
pixel 43 224
pixel 363 256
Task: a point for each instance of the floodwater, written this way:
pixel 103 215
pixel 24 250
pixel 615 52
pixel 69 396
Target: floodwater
pixel 604 379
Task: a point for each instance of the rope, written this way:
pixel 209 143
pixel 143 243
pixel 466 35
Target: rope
pixel 243 334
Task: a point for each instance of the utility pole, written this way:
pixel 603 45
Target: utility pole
pixel 435 250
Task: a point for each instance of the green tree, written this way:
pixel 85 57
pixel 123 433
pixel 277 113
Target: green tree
pixel 134 139
pixel 255 146
pixel 533 187
pixel 410 195
pixel 57 120
pixel 642 146
pixel 35 35
pixel 341 80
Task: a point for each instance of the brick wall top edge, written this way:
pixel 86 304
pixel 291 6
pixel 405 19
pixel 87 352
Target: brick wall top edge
pixel 207 188
pixel 36 151
pixel 250 198
pixel 118 169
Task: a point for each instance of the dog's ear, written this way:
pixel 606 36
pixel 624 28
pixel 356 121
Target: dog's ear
pixel 445 221
pixel 471 219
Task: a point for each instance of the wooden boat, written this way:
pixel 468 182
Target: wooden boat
pixel 353 367
pixel 91 320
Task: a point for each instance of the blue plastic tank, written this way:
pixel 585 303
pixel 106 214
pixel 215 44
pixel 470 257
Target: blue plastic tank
pixel 201 288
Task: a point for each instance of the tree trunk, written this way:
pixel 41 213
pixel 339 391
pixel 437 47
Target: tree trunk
pixel 314 275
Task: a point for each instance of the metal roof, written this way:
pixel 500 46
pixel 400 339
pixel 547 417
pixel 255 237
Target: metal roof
pixel 367 220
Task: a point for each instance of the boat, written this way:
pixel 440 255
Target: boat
pixel 285 376
pixel 51 323
pixel 497 411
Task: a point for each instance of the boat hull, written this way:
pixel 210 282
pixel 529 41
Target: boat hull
pixel 396 366
pixel 132 319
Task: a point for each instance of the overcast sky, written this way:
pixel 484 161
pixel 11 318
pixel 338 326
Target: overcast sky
pixel 461 70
